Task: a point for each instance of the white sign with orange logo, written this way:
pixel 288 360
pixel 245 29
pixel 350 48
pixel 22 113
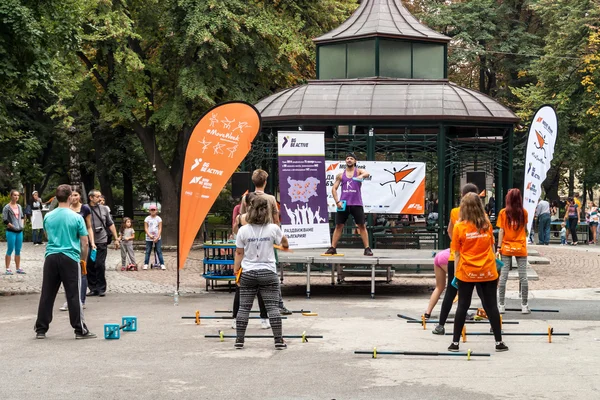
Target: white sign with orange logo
pixel 540 151
pixel 394 187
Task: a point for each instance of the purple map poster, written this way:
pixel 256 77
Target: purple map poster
pixel 303 190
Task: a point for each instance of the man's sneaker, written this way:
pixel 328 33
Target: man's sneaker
pixel 87 335
pixel 233 324
pixel 102 294
pixel 92 293
pixel 439 330
pixel 239 343
pixel 500 346
pixel 525 309
pixel 145 266
pixel 368 252
pixel 8 272
pixel 162 266
pixel 280 344
pixel 20 271
pixel 501 308
pixel 65 307
pixel 331 251
pixel 40 335
pixel 453 347
pixel 284 311
pixel 264 323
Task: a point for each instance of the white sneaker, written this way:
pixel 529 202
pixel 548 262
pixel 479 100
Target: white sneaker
pixel 65 307
pixel 145 266
pixel 265 324
pixel 525 309
pixel 501 308
pixel 162 266
pixel 233 324
pixel 84 307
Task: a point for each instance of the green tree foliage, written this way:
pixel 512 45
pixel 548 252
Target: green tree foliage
pixel 153 67
pixel 566 77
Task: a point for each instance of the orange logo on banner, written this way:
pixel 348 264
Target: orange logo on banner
pixel 218 144
pixel 416 204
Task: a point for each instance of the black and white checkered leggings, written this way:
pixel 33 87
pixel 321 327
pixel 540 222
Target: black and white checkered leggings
pixel 267 283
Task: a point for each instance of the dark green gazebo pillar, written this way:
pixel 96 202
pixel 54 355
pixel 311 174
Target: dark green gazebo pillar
pixel 442 208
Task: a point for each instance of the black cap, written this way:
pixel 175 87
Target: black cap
pixel 351 154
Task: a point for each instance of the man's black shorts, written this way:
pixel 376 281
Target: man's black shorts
pixel 357 212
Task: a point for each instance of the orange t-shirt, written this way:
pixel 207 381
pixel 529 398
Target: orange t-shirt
pixel 477 261
pixel 453 219
pixel 514 242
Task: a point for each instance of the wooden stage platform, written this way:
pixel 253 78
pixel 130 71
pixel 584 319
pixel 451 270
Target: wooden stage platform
pixel 384 261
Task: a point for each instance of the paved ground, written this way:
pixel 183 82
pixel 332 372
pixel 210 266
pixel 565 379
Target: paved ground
pixel 169 358
pixel 569 268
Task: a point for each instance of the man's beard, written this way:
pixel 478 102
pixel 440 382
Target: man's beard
pixel 350 165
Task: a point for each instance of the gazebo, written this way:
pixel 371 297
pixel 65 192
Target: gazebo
pixel 382 90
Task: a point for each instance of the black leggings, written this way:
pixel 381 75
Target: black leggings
pixel 236 304
pixel 573 228
pixel 451 294
pixel 490 305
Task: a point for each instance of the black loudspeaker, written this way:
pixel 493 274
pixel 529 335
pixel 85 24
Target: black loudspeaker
pixel 240 183
pixel 478 179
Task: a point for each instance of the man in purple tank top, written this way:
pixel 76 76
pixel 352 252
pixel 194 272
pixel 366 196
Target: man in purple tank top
pixel 351 182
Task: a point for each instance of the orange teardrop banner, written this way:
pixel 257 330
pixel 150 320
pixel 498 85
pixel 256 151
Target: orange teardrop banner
pixel 217 146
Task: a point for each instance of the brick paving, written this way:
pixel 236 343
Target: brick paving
pixel 569 268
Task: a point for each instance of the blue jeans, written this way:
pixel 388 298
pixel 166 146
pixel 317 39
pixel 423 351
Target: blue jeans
pixel 563 240
pixel 158 245
pixel 544 228
pixel 37 235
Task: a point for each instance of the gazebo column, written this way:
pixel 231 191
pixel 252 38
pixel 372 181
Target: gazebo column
pixel 371 141
pixel 511 145
pixel 442 208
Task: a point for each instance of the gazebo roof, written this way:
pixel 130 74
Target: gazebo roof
pixel 382 100
pixel 384 18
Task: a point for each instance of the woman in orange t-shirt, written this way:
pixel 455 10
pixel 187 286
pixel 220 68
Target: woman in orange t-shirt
pixel 473 241
pixel 512 241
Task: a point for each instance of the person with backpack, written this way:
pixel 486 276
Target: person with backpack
pixel 104 233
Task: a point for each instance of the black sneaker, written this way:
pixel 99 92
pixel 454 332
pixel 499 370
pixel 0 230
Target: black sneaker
pixel 439 330
pixel 284 311
pixel 40 335
pixel 453 347
pixel 92 293
pixel 368 252
pixel 239 344
pixel 87 335
pixel 102 294
pixel 331 251
pixel 500 346
pixel 280 344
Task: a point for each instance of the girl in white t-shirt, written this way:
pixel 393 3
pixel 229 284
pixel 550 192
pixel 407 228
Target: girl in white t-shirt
pixel 255 255
pixel 153 228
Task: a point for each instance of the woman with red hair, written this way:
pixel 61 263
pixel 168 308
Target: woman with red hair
pixel 512 242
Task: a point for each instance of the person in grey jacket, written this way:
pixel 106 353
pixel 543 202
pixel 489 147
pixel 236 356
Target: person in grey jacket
pixel 14 219
pixel 102 224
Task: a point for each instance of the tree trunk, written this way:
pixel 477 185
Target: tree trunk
pixel 128 191
pixel 550 185
pixel 571 182
pixel 168 186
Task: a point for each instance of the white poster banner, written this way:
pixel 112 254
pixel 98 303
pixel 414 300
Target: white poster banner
pixel 303 194
pixel 540 151
pixel 394 187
